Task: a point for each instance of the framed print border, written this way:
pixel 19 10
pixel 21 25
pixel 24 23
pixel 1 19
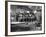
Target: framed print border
pixel 6 18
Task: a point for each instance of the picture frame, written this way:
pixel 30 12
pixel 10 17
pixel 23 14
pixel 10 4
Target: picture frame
pixel 24 26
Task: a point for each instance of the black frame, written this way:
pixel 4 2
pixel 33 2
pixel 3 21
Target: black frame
pixel 6 18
